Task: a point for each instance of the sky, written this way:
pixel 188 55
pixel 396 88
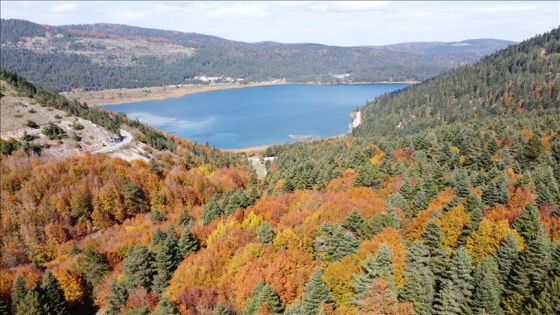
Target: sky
pixel 344 23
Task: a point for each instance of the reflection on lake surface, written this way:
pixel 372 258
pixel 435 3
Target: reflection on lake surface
pixel 258 115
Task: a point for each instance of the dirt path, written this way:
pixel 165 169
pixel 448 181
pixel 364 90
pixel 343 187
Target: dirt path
pixel 127 138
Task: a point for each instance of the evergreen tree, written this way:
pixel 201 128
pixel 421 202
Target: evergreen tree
pixel 533 148
pixel 374 267
pixel 73 251
pixel 529 272
pixel 185 220
pixel 272 300
pixel 456 289
pixel 316 293
pixel 93 266
pixel 528 223
pixel 433 239
pixel 166 307
pixel 255 300
pixel 156 216
pixel 117 299
pixel 419 286
pixel 187 243
pixel 220 309
pixel 419 203
pixel 486 291
pixel 53 296
pixel 18 293
pixel 137 311
pixel 264 233
pixel 211 210
pixel 158 238
pixel 30 304
pixel 340 243
pixel 548 301
pixel 165 262
pixel 367 176
pixel 138 267
pixel 353 220
pixel 505 256
pixel 446 303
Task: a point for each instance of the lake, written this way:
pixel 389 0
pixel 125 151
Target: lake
pixel 237 118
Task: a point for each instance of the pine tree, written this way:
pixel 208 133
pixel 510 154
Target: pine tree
pixel 185 220
pixel 255 300
pixel 272 300
pixel 353 220
pixel 486 291
pixel 316 293
pixel 158 238
pixel 446 303
pixel 419 286
pixel 74 250
pixel 456 289
pixel 528 223
pixel 93 266
pixel 419 203
pixel 117 299
pixel 30 304
pixel 529 272
pixel 156 216
pixel 264 233
pixel 172 242
pixel 505 256
pixel 374 267
pixel 18 293
pixel 341 244
pixel 138 311
pixel 211 210
pixel 548 301
pixel 166 307
pixel 53 296
pixel 220 309
pixel 165 262
pixel 187 243
pixel 138 267
pixel 433 239
pixel 533 148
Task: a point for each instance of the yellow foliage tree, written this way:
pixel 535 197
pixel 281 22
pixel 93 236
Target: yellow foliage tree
pixel 452 225
pixel 286 239
pixel 488 237
pixel 71 285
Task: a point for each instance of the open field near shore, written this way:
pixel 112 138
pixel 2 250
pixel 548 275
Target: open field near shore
pixel 121 96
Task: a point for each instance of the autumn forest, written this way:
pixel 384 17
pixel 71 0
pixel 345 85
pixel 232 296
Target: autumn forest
pixel 446 200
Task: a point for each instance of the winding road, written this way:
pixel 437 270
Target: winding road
pixel 126 140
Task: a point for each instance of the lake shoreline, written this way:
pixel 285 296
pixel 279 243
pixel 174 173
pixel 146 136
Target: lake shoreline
pixel 122 96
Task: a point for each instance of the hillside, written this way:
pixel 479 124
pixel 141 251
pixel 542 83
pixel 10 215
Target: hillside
pixel 459 218
pixel 103 56
pixel 521 78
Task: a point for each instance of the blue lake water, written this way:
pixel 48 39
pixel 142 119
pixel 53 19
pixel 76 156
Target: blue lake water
pixel 260 115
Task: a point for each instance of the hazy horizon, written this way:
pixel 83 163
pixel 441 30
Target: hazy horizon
pixel 351 23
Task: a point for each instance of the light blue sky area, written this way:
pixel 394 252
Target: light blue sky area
pixel 350 23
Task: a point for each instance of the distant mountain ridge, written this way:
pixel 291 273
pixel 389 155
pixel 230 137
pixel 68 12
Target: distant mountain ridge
pixel 102 56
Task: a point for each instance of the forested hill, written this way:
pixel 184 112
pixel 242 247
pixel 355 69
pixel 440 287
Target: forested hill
pixel 522 78
pixel 101 56
pixel 461 218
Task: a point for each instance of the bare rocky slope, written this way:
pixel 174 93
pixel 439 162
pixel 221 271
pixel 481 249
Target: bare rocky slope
pixel 23 119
